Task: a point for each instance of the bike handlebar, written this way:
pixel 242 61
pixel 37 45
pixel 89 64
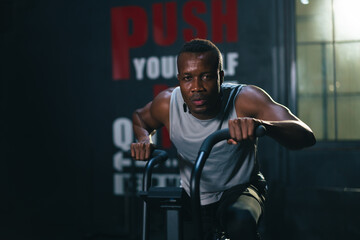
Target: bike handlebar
pixel 204 152
pixel 157 157
pixel 224 134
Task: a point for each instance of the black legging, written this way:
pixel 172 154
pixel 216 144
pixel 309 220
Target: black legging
pixel 235 215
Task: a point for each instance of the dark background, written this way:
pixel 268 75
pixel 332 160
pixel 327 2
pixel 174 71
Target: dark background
pixel 59 102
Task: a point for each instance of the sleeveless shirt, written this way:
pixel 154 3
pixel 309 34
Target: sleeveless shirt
pixel 227 165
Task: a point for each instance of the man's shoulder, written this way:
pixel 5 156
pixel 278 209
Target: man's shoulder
pixel 230 85
pixel 162 101
pixel 165 94
pixel 251 91
pixel 250 99
pixel 160 106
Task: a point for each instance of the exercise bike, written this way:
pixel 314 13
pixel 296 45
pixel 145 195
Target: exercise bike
pixel 172 198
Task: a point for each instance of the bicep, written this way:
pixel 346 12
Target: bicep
pixel 255 102
pixel 272 111
pixel 147 119
pixel 155 114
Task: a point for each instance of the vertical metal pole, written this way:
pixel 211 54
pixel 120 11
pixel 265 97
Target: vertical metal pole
pixel 174 224
pixel 158 156
pixel 324 90
pixel 334 70
pixel 145 228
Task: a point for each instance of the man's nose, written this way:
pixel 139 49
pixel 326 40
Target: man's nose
pixel 197 85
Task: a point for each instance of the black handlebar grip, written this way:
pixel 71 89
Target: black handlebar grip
pixel 260 131
pixel 224 134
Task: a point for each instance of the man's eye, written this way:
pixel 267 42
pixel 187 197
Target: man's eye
pixel 206 76
pixel 187 78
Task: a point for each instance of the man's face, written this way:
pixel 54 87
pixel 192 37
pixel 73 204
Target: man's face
pixel 200 80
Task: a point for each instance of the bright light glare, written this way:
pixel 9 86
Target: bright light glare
pixel 347 19
pixel 304 2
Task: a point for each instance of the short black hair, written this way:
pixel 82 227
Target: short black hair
pixel 198 45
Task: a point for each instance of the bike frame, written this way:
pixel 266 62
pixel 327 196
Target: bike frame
pixel 203 154
pixel 159 156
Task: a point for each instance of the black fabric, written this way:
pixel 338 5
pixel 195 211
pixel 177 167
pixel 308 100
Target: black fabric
pixel 225 219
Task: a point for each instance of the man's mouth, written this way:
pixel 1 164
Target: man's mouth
pixel 198 99
pixel 199 102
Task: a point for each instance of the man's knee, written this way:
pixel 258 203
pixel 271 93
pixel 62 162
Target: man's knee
pixel 241 224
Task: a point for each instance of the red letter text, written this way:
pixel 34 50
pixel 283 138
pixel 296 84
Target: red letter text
pixel 227 18
pixel 124 38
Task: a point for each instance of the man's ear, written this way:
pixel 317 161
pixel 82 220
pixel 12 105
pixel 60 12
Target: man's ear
pixel 221 77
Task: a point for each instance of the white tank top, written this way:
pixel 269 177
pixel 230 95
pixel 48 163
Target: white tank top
pixel 227 165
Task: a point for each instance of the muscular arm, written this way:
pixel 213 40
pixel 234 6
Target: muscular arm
pixel 254 107
pixel 152 116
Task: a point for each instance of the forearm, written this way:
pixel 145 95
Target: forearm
pixel 293 134
pixel 141 129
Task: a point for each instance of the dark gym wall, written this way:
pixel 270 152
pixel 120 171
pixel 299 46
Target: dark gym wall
pixel 59 105
pixel 65 119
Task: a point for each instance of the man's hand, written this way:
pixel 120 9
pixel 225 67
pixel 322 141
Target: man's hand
pixel 242 129
pixel 142 150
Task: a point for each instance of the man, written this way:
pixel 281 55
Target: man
pixel 232 188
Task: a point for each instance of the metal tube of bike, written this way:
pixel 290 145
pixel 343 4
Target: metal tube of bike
pixel 158 156
pixel 203 154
